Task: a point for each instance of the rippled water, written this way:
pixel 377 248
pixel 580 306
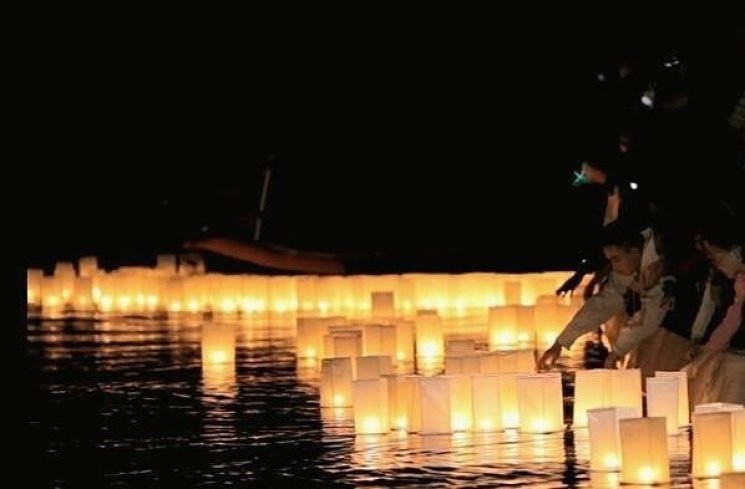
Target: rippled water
pixel 125 403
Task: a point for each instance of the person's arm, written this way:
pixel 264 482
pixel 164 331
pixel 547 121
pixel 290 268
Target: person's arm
pixel 732 321
pixel 595 311
pixel 650 317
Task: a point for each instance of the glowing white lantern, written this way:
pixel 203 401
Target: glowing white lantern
pixel 683 409
pixel 663 398
pixel 33 286
pixel 604 436
pixel 460 347
pixel 52 298
pixel 522 361
pixel 540 402
pixel 379 339
pixel 644 454
pixel 373 366
pixel 487 409
pixel 715 407
pixel 430 338
pixel 343 344
pixel 336 382
pixel 88 266
pixel 404 342
pixel 512 293
pixel 370 400
pixel 461 406
pixel 399 393
pixel 510 405
pixel 712 444
pixel 309 339
pixel 383 305
pixel 469 364
pixel 166 265
pixel 429 408
pixel 526 325
pixel 218 356
pixel 626 388
pixel 503 326
pixel 81 296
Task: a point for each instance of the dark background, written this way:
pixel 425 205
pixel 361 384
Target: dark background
pixel 464 147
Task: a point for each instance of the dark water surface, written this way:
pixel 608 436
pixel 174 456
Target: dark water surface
pixel 125 402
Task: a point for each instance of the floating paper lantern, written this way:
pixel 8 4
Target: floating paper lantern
pixel 503 327
pixel 469 364
pixel 663 398
pixel 522 361
pixel 87 266
pixel 370 400
pixel 218 356
pixel 604 436
pixel 683 409
pixel 714 407
pixel 399 388
pixel 336 382
pixel 461 405
pixel 512 293
pixel 379 339
pixel 33 286
pixel 404 342
pixel 540 402
pixel 605 388
pixel 372 367
pixel 383 305
pixel 343 344
pixel 429 407
pixel 644 451
pixel 430 340
pixel 460 347
pixel 712 444
pixel 487 403
pixel 626 388
pixel 166 265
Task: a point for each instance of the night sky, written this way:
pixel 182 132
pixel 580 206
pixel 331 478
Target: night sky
pixel 460 147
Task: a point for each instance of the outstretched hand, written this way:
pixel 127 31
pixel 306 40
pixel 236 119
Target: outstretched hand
pixel 571 284
pixel 549 357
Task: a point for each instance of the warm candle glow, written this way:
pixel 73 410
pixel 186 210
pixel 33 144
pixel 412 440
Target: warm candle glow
pixel 610 461
pixel 339 401
pixel 713 469
pixel 738 462
pixel 460 422
pixel 371 425
pixel 219 356
pixel 428 349
pixel 539 425
pixel 510 419
pixel 646 474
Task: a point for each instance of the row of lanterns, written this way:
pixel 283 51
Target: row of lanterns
pixel 513 396
pixel 175 287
